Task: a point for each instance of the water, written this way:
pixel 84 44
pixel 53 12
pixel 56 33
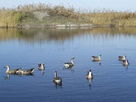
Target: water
pixel 26 48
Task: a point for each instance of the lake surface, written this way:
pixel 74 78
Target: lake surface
pixel 27 48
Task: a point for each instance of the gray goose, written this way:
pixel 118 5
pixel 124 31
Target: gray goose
pixel 125 62
pixel 57 80
pixel 41 66
pixel 122 58
pixel 89 75
pixel 96 58
pixel 8 71
pixel 69 64
pixel 25 71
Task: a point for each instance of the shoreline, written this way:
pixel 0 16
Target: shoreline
pixel 64 26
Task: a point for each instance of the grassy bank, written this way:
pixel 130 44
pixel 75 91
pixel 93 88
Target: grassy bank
pixel 41 14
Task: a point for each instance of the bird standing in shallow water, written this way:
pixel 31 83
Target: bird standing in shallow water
pixel 69 64
pixel 57 80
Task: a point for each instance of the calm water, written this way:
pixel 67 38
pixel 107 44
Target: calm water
pixel 26 48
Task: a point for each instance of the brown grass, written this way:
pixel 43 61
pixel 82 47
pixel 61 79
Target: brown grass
pixel 45 14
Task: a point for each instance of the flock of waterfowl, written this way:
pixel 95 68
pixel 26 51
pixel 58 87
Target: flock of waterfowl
pixel 58 80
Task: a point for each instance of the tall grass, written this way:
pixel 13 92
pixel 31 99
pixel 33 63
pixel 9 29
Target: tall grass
pixel 45 14
pixel 9 18
pixel 112 18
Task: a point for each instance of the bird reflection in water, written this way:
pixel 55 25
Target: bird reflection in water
pixel 58 86
pixel 69 69
pixel 126 68
pixel 90 83
pixel 7 77
pixel 98 62
pixel 43 73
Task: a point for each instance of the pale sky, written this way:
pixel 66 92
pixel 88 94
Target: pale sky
pixel 119 5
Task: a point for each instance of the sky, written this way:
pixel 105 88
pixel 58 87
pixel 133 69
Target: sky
pixel 119 5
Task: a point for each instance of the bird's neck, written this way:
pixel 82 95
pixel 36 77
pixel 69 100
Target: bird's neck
pixel 42 65
pixel 126 61
pixel 90 73
pixel 72 61
pixel 7 69
pixel 55 75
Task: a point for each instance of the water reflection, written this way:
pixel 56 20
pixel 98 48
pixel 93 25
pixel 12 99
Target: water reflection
pixel 90 83
pixel 42 72
pixel 35 35
pixel 97 62
pixel 21 75
pixel 58 86
pixel 110 78
pixel 8 76
pixel 71 69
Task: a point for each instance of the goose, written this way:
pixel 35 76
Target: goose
pixel 8 71
pixel 125 62
pixel 122 58
pixel 41 66
pixel 89 75
pixel 25 72
pixel 57 80
pixel 69 64
pixel 96 58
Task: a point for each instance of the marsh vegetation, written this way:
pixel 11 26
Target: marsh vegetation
pixel 46 15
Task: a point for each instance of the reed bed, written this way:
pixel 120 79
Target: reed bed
pixel 48 15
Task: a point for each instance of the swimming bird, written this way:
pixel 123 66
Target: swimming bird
pixel 96 58
pixel 25 71
pixel 8 71
pixel 69 64
pixel 125 62
pixel 89 75
pixel 41 66
pixel 57 80
pixel 122 58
